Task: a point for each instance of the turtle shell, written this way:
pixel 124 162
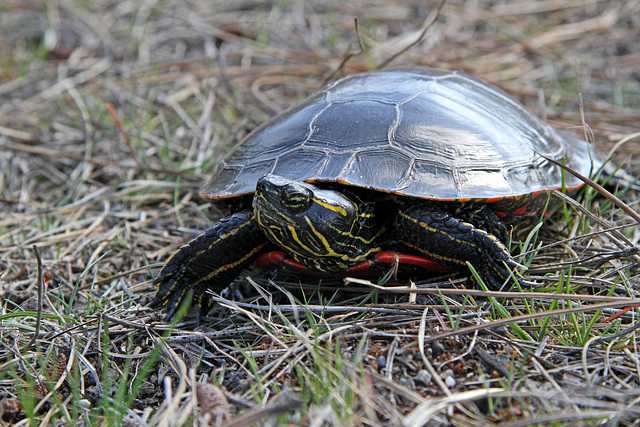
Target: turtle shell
pixel 421 132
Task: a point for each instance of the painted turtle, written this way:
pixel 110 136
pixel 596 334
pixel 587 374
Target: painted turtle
pixel 427 163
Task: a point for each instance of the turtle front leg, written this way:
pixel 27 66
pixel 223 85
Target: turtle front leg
pixel 454 242
pixel 210 261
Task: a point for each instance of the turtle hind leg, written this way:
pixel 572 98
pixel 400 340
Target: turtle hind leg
pixel 453 242
pixel 210 261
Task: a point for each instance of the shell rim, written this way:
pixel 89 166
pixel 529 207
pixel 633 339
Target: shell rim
pixel 533 193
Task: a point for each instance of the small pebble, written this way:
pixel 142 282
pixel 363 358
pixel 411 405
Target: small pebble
pixel 381 361
pixel 423 377
pixel 447 373
pixel 503 358
pixel 448 377
pixel 450 381
pixel 83 403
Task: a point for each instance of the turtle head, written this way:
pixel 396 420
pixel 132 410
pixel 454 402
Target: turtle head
pixel 322 228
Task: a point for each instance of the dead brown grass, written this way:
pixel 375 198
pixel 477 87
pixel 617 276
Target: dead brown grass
pixel 113 112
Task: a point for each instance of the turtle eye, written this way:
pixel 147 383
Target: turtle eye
pixel 295 197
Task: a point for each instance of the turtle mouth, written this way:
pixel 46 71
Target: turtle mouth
pixel 267 215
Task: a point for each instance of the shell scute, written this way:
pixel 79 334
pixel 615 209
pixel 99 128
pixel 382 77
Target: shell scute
pixel 422 132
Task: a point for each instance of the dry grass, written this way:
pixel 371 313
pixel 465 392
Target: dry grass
pixel 113 112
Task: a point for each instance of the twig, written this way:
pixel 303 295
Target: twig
pixel 432 19
pixel 123 132
pixel 599 188
pixel 616 236
pixel 349 55
pixel 425 360
pixel 40 292
pixel 17 134
pixel 496 294
pixel 523 318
